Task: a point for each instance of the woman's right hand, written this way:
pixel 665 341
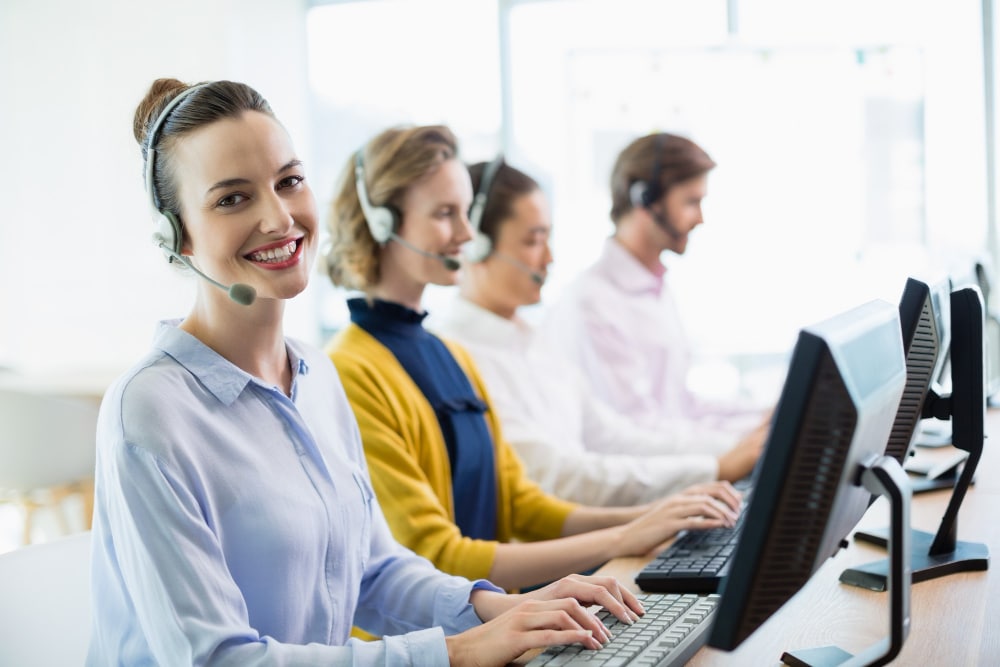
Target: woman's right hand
pixel 528 625
pixel 700 507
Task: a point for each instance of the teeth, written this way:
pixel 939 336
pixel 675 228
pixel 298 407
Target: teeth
pixel 274 255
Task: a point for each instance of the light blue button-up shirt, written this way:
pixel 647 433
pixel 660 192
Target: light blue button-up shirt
pixel 234 525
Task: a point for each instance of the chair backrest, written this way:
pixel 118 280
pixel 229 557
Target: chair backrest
pixel 45 610
pixel 45 440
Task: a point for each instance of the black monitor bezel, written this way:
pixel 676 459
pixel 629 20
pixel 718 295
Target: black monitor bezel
pixel 777 490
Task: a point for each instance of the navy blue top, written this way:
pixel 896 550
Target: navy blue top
pixel 459 411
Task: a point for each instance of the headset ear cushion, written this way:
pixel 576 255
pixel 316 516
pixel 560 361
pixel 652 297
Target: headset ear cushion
pixel 382 222
pixel 638 193
pixel 168 231
pixel 479 248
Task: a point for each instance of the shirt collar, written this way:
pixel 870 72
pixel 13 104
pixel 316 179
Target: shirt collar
pixel 220 376
pixel 378 315
pixel 484 326
pixel 620 267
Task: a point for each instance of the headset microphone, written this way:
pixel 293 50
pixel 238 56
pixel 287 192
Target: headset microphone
pixel 238 292
pixel 664 222
pixel 383 221
pixel 538 278
pixel 450 263
pixel 169 231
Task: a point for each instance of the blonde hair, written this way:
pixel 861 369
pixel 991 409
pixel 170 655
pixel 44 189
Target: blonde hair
pixel 393 161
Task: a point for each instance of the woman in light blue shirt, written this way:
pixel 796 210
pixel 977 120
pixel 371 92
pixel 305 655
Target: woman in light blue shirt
pixel 234 521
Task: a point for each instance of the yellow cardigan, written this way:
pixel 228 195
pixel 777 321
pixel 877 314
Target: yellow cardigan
pixel 409 463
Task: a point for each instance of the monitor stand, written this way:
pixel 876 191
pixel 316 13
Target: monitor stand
pixel 942 554
pixel 883 477
pixel 934 555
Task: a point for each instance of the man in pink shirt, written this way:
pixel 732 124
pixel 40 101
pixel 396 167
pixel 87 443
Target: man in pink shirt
pixel 618 320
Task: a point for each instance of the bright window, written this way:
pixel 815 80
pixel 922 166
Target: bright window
pixel 849 135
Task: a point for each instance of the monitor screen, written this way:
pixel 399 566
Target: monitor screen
pixel 833 418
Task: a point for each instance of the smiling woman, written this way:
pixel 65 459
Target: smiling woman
pixel 234 514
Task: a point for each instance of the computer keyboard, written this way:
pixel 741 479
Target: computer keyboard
pixel 671 631
pixel 696 562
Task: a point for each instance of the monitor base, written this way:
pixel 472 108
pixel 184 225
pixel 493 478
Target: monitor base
pixel 967 557
pixel 824 656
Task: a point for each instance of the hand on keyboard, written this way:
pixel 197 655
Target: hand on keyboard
pixel 553 615
pixel 594 590
pixel 672 631
pixel 724 492
pixel 703 506
pixel 529 624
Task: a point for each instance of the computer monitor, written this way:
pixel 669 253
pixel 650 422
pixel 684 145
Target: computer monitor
pixel 823 459
pixel 931 431
pixel 984 279
pixel 924 312
pixel 980 274
pixel 939 554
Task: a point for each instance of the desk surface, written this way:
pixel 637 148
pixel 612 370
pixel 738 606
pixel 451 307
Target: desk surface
pixel 954 620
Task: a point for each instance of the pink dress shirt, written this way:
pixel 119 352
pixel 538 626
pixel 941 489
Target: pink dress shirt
pixel 619 324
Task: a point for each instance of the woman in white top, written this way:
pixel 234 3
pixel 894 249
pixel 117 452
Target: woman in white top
pixel 235 522
pixel 572 444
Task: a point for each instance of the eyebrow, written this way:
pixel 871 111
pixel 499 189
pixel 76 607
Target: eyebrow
pixel 230 182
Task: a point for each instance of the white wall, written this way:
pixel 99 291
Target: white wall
pixel 81 286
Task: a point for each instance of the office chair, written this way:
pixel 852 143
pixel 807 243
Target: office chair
pixel 47 453
pixel 45 610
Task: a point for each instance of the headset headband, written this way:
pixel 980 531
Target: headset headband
pixel 653 188
pixel 151 137
pixel 490 172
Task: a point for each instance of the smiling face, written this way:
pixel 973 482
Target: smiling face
pixel 513 274
pixel 435 219
pixel 248 215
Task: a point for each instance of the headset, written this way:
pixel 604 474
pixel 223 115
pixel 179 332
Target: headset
pixel 383 221
pixel 169 235
pixel 480 247
pixel 645 193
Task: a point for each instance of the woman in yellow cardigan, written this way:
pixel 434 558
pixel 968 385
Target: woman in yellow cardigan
pixel 451 488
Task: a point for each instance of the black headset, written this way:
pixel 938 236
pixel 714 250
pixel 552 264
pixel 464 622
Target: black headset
pixel 480 247
pixel 645 193
pixel 169 234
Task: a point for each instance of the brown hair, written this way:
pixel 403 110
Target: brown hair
pixel 211 102
pixel 667 158
pixel 393 161
pixel 508 184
